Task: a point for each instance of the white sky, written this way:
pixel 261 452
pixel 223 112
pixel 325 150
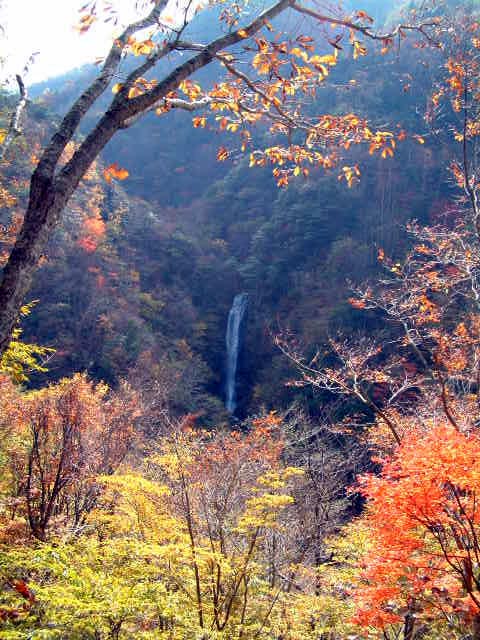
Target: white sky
pixel 47 26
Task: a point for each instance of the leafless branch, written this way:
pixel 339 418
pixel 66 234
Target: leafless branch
pixel 15 126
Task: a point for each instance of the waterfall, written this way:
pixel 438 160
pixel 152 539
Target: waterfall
pixel 233 339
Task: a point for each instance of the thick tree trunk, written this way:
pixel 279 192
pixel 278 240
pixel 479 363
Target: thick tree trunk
pixel 41 217
pixel 48 198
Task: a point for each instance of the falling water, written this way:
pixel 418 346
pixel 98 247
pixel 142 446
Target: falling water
pixel 233 343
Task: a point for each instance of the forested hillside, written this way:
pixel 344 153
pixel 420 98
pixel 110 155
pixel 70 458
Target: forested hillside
pixel 241 397
pixel 212 230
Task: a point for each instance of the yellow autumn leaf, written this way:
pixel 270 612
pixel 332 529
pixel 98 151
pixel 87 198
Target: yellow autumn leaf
pixel 222 154
pixel 143 48
pixel 133 92
pixel 300 53
pixel 327 59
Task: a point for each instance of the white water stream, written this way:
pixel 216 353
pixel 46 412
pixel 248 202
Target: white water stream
pixel 233 343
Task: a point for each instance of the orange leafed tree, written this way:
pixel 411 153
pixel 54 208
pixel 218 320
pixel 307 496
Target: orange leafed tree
pixel 423 518
pixel 60 439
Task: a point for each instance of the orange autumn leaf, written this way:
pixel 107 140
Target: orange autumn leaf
pixel 222 154
pixel 85 23
pixel 115 171
pixel 363 15
pixel 21 587
pixel 356 303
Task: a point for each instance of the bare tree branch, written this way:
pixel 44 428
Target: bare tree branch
pixel 15 126
pixel 364 30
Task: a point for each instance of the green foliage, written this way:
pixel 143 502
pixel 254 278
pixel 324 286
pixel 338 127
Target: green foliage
pixel 22 359
pixel 89 589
